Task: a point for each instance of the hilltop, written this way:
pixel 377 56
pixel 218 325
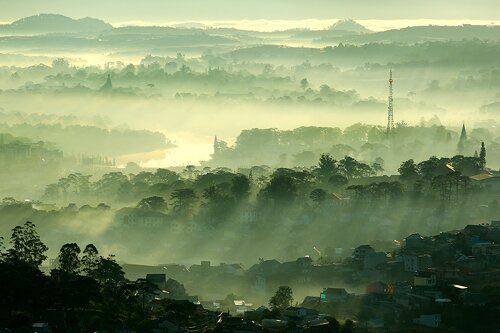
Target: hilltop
pixel 54 23
pixel 349 25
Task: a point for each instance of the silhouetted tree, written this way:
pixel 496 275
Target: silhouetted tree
pixel 26 245
pixel 482 156
pixel 90 260
pixel 109 272
pixel 68 259
pixel 282 299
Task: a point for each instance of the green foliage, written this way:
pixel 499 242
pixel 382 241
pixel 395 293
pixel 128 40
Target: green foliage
pixel 90 260
pixel 354 169
pixel 327 166
pixel 155 203
pixel 26 246
pixel 408 171
pixel 482 156
pixel 109 272
pixel 338 181
pixel 282 299
pixel 282 189
pixel 240 187
pixel 68 259
pixel 318 196
pixel 183 200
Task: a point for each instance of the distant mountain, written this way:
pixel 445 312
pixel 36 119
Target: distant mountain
pixel 349 25
pixel 190 25
pixel 339 29
pixel 53 23
pixel 422 34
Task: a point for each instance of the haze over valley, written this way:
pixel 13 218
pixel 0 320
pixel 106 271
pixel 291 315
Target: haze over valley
pixel 179 160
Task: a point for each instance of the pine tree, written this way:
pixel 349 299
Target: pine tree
pixel 482 155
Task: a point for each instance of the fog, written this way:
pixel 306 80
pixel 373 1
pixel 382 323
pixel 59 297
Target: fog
pixel 236 141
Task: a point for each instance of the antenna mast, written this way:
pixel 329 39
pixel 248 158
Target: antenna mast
pixel 390 109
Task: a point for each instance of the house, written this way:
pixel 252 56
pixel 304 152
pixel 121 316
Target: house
pixel 159 280
pixel 424 279
pixel 373 260
pixel 134 272
pixel 475 300
pixel 233 269
pixel 415 241
pixel 240 306
pixel 136 217
pixel 375 323
pixel 457 291
pixel 472 264
pixel 334 295
pixel 377 288
pixel 295 312
pixel 362 251
pixel 482 248
pixel 265 267
pixel 40 328
pixel 274 324
pixel 475 230
pixel 431 320
pixel 257 314
pixel 210 305
pixel 414 263
pixel 490 183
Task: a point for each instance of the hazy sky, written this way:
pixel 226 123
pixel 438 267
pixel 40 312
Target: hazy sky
pixel 175 10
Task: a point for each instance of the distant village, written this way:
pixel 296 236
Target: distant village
pixel 446 282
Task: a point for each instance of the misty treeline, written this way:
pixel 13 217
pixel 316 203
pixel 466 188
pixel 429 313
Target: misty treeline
pixel 303 146
pixel 276 73
pixel 336 203
pixel 182 188
pixel 83 291
pixel 78 135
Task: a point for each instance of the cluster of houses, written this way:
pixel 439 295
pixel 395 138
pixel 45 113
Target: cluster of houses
pixel 24 154
pixel 420 284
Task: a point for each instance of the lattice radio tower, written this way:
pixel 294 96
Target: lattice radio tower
pixel 390 109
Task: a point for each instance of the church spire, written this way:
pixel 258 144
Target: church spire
pixel 108 86
pixel 216 146
pixel 462 141
pixel 463 135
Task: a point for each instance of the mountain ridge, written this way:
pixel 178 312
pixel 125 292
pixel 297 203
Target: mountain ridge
pixel 53 23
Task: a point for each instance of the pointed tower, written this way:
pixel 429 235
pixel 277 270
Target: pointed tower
pixel 108 86
pixel 390 108
pixel 462 140
pixel 216 147
pixel 463 135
